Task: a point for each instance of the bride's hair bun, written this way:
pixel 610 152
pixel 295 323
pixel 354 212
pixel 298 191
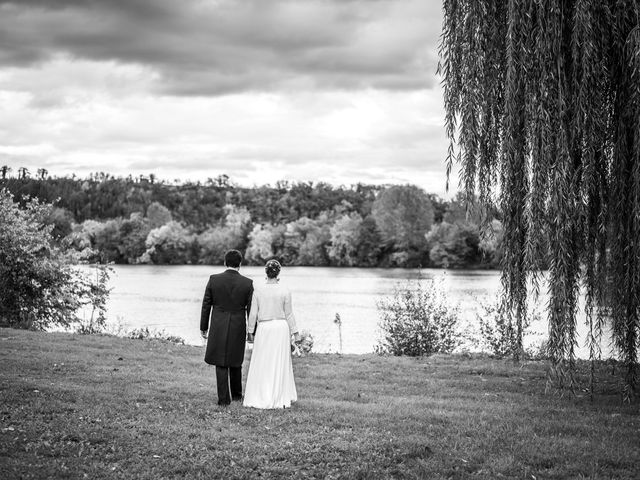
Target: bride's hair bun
pixel 273 268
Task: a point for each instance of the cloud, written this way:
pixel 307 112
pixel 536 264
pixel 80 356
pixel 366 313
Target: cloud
pixel 216 47
pixel 338 137
pixel 342 91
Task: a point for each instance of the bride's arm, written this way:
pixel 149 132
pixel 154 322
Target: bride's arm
pixel 253 315
pixel 288 314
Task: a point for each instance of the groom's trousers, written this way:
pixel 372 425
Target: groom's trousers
pixel 229 378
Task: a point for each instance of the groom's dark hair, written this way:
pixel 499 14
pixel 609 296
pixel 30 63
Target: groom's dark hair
pixel 233 258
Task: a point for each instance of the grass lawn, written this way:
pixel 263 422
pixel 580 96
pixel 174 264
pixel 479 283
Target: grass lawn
pixel 104 407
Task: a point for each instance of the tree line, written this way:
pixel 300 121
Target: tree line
pixel 133 220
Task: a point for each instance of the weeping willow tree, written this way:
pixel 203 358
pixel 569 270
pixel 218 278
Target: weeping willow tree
pixel 542 102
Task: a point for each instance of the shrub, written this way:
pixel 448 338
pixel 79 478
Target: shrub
pixel 418 320
pixel 146 334
pixel 39 287
pixel 498 333
pixel 538 351
pixel 94 294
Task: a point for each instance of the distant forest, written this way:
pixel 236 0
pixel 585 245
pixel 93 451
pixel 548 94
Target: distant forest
pixel 150 221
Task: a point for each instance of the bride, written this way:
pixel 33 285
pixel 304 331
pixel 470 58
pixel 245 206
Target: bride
pixel 270 382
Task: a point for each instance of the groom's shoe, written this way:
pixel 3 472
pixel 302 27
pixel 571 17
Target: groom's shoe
pixel 238 398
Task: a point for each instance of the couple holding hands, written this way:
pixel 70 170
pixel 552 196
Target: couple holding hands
pixel 231 308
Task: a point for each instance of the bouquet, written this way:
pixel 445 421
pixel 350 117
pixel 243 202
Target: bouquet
pixel 302 346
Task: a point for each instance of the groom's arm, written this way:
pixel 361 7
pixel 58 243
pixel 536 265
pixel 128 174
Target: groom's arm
pixel 207 303
pixel 251 308
pixel 252 315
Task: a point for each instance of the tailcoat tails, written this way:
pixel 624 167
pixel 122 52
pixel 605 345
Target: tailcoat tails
pixel 225 306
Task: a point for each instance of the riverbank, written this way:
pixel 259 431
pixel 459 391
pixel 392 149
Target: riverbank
pixel 104 407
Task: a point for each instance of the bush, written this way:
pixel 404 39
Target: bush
pixel 538 351
pixel 146 334
pixel 39 287
pixel 418 320
pixel 499 334
pixel 94 294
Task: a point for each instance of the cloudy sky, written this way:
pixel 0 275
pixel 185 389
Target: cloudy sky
pixel 335 90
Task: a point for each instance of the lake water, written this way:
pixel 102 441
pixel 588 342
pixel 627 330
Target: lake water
pixel 169 298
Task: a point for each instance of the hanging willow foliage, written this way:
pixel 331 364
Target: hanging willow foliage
pixel 542 102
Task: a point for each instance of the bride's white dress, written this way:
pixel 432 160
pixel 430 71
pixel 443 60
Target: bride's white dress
pixel 270 382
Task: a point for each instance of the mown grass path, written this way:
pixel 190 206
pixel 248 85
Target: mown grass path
pixel 104 407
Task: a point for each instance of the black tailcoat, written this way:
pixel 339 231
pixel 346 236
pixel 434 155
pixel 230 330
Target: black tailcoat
pixel 228 299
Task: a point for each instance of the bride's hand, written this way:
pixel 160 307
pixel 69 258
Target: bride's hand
pixel 296 337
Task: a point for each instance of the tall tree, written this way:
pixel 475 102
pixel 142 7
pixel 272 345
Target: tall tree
pixel 158 215
pixel 260 246
pixel 543 101
pixel 404 215
pixel 343 247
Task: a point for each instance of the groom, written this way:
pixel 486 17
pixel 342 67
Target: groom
pixel 228 299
